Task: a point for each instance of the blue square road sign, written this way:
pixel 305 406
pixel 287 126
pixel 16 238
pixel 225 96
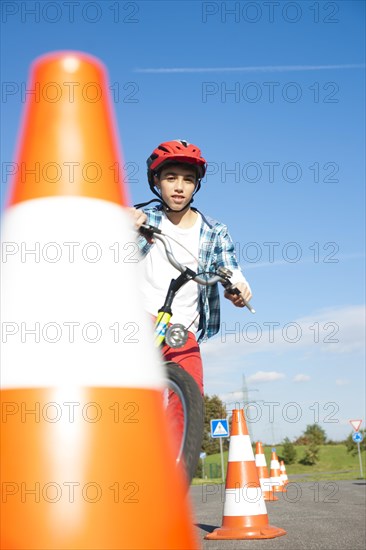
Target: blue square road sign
pixel 219 428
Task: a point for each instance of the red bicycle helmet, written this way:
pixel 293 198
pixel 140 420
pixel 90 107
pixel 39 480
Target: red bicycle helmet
pixel 177 150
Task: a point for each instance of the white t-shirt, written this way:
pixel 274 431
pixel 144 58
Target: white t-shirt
pixel 158 273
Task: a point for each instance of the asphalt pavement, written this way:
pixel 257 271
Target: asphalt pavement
pixel 322 515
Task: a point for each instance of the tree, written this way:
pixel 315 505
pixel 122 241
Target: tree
pixel 351 446
pixel 313 434
pixel 199 469
pixel 311 455
pixel 288 451
pixel 214 408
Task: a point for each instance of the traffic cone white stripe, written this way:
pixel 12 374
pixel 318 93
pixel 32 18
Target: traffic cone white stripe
pixel 265 484
pixel 120 328
pixel 275 464
pixel 276 479
pixel 246 501
pixel 283 475
pixel 240 449
pixel 260 460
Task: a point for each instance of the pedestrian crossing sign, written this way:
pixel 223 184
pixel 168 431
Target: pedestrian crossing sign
pixel 219 428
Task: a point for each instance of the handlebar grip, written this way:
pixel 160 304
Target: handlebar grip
pixel 235 291
pixel 148 230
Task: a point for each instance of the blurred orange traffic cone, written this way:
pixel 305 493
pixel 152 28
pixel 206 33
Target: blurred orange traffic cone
pixel 265 482
pixel 275 472
pixel 283 474
pixel 68 143
pixel 81 400
pixel 245 514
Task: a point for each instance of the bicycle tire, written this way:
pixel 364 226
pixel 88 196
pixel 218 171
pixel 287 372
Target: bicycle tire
pixel 185 387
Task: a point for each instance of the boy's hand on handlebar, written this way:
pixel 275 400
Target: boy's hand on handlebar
pixel 139 218
pixel 237 299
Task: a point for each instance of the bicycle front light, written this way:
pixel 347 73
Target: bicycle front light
pixel 176 336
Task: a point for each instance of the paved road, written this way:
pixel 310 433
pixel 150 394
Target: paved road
pixel 320 515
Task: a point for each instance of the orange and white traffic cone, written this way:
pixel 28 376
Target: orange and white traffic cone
pixel 245 514
pixel 283 474
pixel 260 462
pixel 82 400
pixel 275 472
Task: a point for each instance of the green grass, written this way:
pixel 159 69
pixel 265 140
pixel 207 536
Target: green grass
pixel 332 458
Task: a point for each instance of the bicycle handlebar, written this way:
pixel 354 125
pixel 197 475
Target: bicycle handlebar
pixel 224 278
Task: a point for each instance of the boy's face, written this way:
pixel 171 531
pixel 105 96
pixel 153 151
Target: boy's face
pixel 176 183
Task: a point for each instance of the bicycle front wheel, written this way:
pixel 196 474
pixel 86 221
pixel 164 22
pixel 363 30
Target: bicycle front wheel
pixel 185 416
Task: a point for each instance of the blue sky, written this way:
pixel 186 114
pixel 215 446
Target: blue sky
pixel 275 93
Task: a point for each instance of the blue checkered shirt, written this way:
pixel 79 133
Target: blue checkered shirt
pixel 216 249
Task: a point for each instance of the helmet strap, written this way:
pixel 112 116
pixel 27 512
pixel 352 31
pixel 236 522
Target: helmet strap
pixel 163 203
pixel 168 209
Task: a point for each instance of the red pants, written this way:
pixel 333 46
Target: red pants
pixel 189 358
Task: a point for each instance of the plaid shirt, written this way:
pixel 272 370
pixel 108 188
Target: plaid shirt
pixel 216 249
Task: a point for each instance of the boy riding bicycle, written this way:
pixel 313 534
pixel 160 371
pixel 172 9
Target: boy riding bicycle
pixel 175 170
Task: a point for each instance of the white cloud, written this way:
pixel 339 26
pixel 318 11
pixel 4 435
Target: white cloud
pixel 227 356
pixel 341 382
pixel 301 378
pixel 265 376
pixel 254 69
pixel 233 396
pixel 331 330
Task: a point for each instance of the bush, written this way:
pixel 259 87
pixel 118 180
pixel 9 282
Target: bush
pixel 288 451
pixel 199 469
pixel 311 455
pixel 312 434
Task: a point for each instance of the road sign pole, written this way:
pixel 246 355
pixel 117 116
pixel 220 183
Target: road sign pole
pixel 222 461
pixel 359 457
